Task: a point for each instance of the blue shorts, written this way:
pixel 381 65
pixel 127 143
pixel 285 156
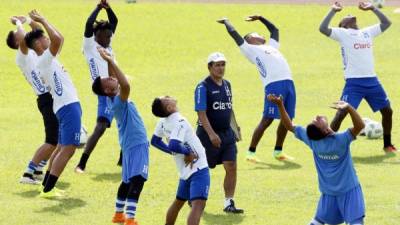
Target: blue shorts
pixel 216 156
pixel 369 89
pixel 195 187
pixel 69 120
pixel 348 207
pixel 135 162
pixel 104 110
pixel 288 92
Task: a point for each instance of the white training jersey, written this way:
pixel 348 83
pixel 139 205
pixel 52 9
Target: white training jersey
pixel 357 54
pixel 27 64
pixel 60 84
pixel 176 127
pixel 270 62
pixel 97 65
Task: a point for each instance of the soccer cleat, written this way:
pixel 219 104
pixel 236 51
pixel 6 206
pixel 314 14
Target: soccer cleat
pixel 78 170
pixel 279 155
pixel 28 179
pixel 38 175
pixel 119 217
pixel 54 193
pixel 131 221
pixel 251 157
pixel 390 149
pixel 232 209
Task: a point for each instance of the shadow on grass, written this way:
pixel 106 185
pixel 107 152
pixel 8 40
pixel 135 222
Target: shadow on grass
pixel 107 177
pixel 285 165
pixel 375 159
pixel 28 194
pixel 63 185
pixel 222 219
pixel 64 205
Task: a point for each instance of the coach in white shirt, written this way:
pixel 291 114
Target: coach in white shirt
pixel 361 79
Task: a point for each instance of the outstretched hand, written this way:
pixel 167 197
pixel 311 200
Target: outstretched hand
pixel 275 99
pixel 365 6
pixel 35 16
pixel 340 105
pixel 253 18
pixel 222 20
pixel 337 7
pixel 104 4
pixel 104 54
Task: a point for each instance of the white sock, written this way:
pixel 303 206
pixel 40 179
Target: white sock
pixel 227 202
pixel 315 222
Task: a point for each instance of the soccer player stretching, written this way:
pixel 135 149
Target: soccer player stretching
pixel 132 138
pixel 190 158
pixel 359 73
pixel 341 195
pixel 98 34
pixel 26 60
pixel 276 77
pixel 66 104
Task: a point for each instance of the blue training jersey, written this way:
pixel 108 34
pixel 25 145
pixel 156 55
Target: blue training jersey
pixel 216 100
pixel 336 173
pixel 131 128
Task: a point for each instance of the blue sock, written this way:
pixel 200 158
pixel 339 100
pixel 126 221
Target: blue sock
pixel 119 205
pixel 131 208
pixel 41 165
pixel 31 167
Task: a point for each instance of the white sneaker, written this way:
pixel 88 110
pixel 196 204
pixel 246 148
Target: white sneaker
pixel 38 176
pixel 28 180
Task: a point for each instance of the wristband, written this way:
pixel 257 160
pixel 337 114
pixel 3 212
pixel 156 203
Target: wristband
pixel 28 20
pixel 18 23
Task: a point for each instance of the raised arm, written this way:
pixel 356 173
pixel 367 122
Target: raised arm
pixel 231 30
pixel 324 27
pixel 385 22
pixel 358 123
pixel 56 39
pixel 273 30
pixel 285 119
pixel 119 75
pixel 90 21
pixel 112 18
pixel 19 34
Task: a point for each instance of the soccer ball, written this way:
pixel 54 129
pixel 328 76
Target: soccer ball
pixel 84 137
pixel 378 3
pixel 373 130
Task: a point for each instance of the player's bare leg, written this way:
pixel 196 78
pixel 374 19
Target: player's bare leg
pixel 387 114
pixel 61 159
pixel 173 212
pixel 196 212
pixel 230 186
pixel 338 119
pixel 255 139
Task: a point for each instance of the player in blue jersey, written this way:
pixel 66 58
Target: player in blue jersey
pixel 132 139
pixel 213 104
pixel 341 195
pixel 98 34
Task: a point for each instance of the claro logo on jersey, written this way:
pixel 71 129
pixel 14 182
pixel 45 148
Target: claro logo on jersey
pixel 361 45
pixel 261 67
pixel 58 89
pixel 94 71
pixel 222 105
pixel 37 82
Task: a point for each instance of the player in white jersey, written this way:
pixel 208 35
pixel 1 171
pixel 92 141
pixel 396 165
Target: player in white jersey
pixel 276 77
pixel 361 79
pixel 189 155
pixel 66 104
pixel 26 60
pixel 98 34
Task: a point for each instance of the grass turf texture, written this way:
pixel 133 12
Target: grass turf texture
pixel 163 47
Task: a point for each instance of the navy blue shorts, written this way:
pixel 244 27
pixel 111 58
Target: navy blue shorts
pixel 195 187
pixel 288 92
pixel 369 89
pixel 349 207
pixel 216 156
pixel 104 110
pixel 135 162
pixel 69 120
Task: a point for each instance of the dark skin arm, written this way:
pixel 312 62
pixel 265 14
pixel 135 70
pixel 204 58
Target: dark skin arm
pixel 273 30
pixel 232 32
pixel 358 123
pixel 324 27
pixel 112 18
pixel 90 21
pixel 384 21
pixel 20 34
pixel 285 119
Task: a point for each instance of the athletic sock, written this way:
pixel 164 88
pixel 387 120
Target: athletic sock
pixel 83 161
pixel 46 176
pixel 131 208
pixel 51 182
pixel 278 148
pixel 121 197
pixel 227 202
pixel 41 165
pixel 119 205
pixel 251 149
pixel 30 168
pixel 387 140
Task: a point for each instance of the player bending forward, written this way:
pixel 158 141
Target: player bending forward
pixel 190 158
pixel 342 198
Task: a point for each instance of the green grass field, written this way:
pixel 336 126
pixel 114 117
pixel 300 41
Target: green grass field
pixel 163 47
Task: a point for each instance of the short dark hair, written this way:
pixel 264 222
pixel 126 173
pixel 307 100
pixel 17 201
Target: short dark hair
pixel 314 133
pixel 32 36
pixel 97 88
pixel 158 108
pixel 247 35
pixel 11 40
pixel 101 25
